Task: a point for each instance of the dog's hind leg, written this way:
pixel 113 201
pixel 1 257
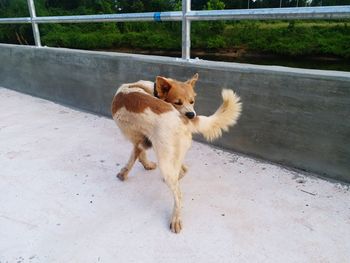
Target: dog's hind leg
pixel 144 145
pixel 123 174
pixel 148 165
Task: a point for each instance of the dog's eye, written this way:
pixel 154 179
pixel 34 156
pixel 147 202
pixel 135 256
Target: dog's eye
pixel 178 103
pixel 192 102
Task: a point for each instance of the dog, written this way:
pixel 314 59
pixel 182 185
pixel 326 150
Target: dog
pixel 161 115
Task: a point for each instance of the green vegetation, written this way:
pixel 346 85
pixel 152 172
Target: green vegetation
pixel 289 38
pixel 274 37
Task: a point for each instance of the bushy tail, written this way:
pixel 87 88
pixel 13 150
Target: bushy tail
pixel 227 114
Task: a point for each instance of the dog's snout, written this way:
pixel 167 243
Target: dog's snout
pixel 190 114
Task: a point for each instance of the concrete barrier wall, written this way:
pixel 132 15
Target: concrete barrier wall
pixel 295 117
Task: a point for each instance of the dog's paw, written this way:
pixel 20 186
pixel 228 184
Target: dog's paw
pixel 123 174
pixel 176 225
pixel 150 166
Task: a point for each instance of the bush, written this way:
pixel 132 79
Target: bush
pixel 216 43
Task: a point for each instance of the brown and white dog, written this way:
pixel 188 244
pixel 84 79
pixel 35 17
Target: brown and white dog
pixel 161 115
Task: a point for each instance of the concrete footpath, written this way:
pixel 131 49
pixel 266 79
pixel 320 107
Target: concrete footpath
pixel 61 202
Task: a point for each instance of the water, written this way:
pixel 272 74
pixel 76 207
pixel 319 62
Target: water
pixel 324 63
pixel 314 62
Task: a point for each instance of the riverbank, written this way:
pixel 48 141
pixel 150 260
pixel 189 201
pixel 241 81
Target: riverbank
pixel 305 44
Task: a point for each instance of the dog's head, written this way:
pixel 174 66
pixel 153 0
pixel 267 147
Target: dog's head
pixel 180 94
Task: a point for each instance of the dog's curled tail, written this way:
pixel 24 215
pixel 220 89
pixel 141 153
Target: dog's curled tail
pixel 227 114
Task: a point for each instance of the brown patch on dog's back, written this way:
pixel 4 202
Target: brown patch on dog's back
pixel 137 102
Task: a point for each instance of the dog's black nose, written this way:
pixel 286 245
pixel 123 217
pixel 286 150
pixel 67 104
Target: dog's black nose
pixel 190 114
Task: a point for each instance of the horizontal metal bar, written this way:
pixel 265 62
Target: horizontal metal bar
pixel 325 12
pixel 15 20
pixel 130 17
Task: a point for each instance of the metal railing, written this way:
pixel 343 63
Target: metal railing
pixel 186 16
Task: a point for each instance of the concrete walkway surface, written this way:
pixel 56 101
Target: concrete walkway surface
pixel 61 202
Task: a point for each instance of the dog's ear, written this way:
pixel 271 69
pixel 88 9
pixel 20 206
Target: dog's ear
pixel 192 81
pixel 162 87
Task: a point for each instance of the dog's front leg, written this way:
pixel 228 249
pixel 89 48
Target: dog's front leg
pixel 176 222
pixel 183 171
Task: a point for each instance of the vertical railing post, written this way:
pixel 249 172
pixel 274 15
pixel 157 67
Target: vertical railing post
pixel 186 30
pixel 35 27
